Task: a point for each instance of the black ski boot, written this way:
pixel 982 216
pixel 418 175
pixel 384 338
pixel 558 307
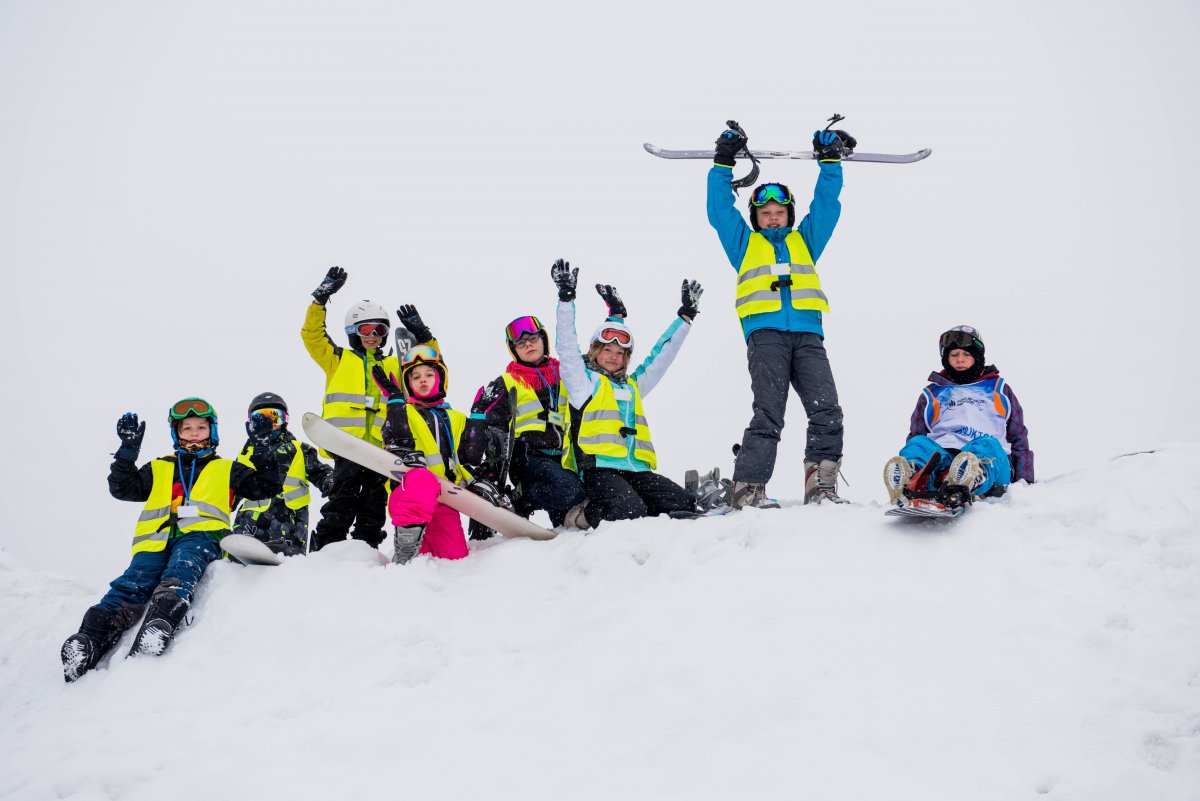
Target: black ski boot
pixel 163 617
pixel 100 631
pixel 407 543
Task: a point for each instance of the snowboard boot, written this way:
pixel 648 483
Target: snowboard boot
pixel 164 616
pixel 820 481
pixel 896 474
pixel 746 494
pixel 966 471
pixel 100 631
pixel 407 542
pixel 576 517
pixel 478 531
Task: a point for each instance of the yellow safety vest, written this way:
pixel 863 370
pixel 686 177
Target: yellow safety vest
pixel 210 498
pixel 295 493
pixel 529 406
pixel 352 399
pixel 760 278
pixel 600 426
pixel 425 442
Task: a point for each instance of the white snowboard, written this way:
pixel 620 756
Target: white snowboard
pixel 249 551
pixel 348 446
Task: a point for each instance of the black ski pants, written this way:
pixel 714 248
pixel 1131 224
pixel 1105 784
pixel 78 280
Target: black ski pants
pixel 779 360
pixel 625 495
pixel 546 484
pixel 358 498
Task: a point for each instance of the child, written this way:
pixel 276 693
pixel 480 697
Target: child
pixel 357 496
pixel 425 433
pixel 780 303
pixel 282 522
pixel 539 464
pixel 188 502
pixel 608 426
pixel 967 435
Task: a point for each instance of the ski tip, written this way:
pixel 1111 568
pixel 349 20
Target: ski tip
pixel 651 148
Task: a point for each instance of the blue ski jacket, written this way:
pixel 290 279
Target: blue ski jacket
pixel 816 228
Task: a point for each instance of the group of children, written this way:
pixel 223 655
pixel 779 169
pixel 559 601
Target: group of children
pixel 569 434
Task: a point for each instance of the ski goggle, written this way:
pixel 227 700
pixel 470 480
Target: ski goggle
pixel 617 336
pixel 192 407
pixel 277 416
pixel 421 354
pixel 371 329
pixel 768 192
pixel 522 327
pixel 961 336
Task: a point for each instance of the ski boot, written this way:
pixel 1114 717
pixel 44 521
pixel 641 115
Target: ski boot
pixel 164 616
pixel 407 542
pixel 745 494
pixel 100 631
pixel 820 481
pixel 896 474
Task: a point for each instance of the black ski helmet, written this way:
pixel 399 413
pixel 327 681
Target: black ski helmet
pixel 964 337
pixel 766 192
pixel 266 400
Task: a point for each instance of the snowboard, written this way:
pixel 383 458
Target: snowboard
pixel 249 550
pixel 923 508
pixel 708 153
pixel 333 439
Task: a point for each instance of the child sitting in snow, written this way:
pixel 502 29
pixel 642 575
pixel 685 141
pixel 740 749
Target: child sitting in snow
pixel 188 502
pixel 967 435
pixel 425 433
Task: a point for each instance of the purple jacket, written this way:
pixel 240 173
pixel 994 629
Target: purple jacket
pixel 1016 433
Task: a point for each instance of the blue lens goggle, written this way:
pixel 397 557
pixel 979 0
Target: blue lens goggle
pixel 768 192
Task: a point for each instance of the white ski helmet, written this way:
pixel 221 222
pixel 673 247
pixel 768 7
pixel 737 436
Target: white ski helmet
pixel 364 311
pixel 611 331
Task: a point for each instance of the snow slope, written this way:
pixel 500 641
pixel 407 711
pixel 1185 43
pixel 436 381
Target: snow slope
pixel 1042 646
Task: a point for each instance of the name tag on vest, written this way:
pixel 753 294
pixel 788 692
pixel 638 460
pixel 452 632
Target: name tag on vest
pixel 556 419
pixel 781 269
pixel 621 393
pixel 188 511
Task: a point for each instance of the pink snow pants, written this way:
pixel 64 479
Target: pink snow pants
pixel 414 501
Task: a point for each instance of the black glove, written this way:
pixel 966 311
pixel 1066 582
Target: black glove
pixel 130 431
pixel 488 491
pixel 615 307
pixel 387 384
pixel 326 486
pixel 690 293
pixel 410 318
pixel 334 279
pixel 729 144
pixel 565 279
pixel 260 428
pixel 487 396
pixel 832 145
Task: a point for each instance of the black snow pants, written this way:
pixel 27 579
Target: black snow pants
pixel 625 495
pixel 545 483
pixel 779 360
pixel 358 498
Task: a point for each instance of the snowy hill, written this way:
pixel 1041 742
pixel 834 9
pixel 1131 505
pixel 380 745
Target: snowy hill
pixel 1042 646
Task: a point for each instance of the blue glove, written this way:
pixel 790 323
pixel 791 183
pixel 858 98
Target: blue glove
pixel 831 146
pixel 728 144
pixel 130 432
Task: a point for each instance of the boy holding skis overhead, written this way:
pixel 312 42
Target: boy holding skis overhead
pixel 780 303
pixel 357 496
pixel 282 522
pixel 967 435
pixel 188 503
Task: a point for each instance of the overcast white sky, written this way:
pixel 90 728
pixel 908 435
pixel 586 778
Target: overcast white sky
pixel 176 178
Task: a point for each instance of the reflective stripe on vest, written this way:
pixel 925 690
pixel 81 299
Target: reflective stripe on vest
pixel 601 422
pixel 425 441
pixel 295 493
pixel 760 279
pixel 529 407
pixel 352 401
pixel 210 497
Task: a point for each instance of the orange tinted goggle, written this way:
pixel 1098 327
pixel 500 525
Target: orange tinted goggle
pixel 192 407
pixel 611 335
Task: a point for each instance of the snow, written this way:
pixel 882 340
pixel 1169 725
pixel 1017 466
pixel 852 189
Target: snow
pixel 175 179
